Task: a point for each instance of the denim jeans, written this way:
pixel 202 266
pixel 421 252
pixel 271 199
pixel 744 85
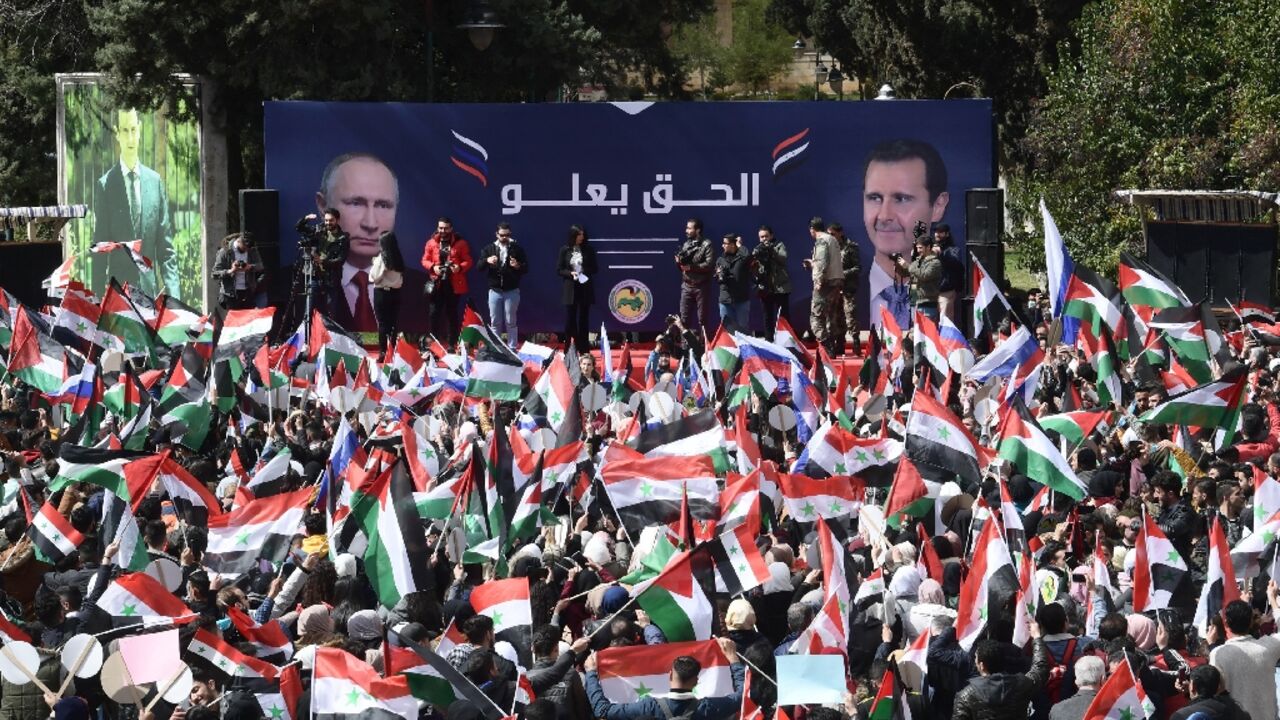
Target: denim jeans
pixel 736 316
pixel 503 305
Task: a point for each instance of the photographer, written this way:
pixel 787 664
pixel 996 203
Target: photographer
pixel 446 258
pixel 694 259
pixel 328 244
pixel 238 270
pixel 669 347
pixel 769 263
pixel 924 271
pixel 735 285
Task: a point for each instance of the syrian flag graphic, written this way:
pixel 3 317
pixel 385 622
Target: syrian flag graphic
pixel 1158 568
pixel 939 445
pixel 52 537
pixel 261 528
pixel 1245 555
pixel 628 674
pixel 1121 697
pixel 242 331
pixel 807 499
pixel 738 560
pixel 1023 443
pixel 839 452
pixel 648 491
pixel 740 502
pixel 676 602
pixel 225 660
pixel 991 581
pixel 271 644
pixel 828 630
pixel 344 687
pixel 506 602
pixel 555 390
pixel 138 598
pixel 1220 581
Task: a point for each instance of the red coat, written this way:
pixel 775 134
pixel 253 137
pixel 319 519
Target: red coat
pixel 459 254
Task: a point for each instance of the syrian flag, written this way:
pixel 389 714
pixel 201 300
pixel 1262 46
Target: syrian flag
pixel 1074 426
pixel 1251 312
pixel 1142 284
pixel 1158 569
pixel 1211 405
pixel 908 496
pixel 676 602
pixel 345 687
pixel 138 598
pixel 1220 580
pixel 992 580
pixel 740 502
pixel 1121 697
pixel 1245 555
pixel 1266 498
pixel 268 639
pixel 506 602
pixel 940 446
pixel 785 336
pixel 648 491
pixel 242 331
pixel 628 674
pixel 990 306
pixel 1023 443
pixel 529 513
pixel 52 537
pixel 76 320
pixel 738 560
pixel 807 499
pixel 225 660
pixel 396 556
pixel 839 452
pixel 262 528
pixel 870 591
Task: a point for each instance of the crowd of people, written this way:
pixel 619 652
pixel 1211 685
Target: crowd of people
pixel 1078 524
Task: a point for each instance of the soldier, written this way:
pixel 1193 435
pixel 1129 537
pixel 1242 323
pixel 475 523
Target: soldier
pixel 828 281
pixel 852 272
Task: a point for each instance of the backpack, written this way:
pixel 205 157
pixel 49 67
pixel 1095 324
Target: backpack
pixel 686 715
pixel 1058 674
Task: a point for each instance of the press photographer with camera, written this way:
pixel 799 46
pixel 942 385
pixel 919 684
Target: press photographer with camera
pixel 446 258
pixel 733 274
pixel 695 261
pixel 669 347
pixel 327 244
pixel 238 270
pixel 924 271
pixel 773 282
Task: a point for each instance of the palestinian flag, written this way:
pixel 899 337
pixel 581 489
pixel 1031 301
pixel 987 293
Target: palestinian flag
pixel 738 560
pixel 225 660
pixel 939 445
pixel 530 513
pixel 34 357
pixel 676 602
pixel 1100 351
pixel 722 353
pixel 1121 697
pixel 908 496
pixel 331 345
pixel 138 598
pixel 1142 284
pixel 180 323
pixel 268 639
pixel 242 331
pixel 1183 330
pixel 1023 443
pixel 990 307
pixel 127 478
pixel 476 333
pixel 122 327
pixel 396 556
pixel 52 537
pixel 495 374
pixel 698 434
pixel 991 581
pixel 1245 555
pixel 10 632
pixel 555 391
pixel 647 491
pixel 1074 426
pixel 1211 405
pixel 888 703
pixel 1158 568
pixel 271 477
pixel 837 451
pixel 807 499
pixel 1094 300
pixel 345 687
pixel 506 602
pixel 628 674
pixel 261 528
pixel 1220 580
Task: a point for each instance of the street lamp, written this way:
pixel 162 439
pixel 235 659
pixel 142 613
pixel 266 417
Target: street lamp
pixel 836 80
pixel 480 24
pixel 820 72
pixel 887 93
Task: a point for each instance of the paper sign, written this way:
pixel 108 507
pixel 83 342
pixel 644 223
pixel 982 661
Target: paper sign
pixel 151 658
pixel 811 679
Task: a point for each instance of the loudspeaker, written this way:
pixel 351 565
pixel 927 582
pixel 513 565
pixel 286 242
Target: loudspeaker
pixel 25 265
pixel 1215 262
pixel 992 259
pixel 260 217
pixel 984 216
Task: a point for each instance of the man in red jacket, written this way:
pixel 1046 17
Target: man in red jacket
pixel 446 258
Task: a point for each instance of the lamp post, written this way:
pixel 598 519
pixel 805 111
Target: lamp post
pixel 480 24
pixel 836 80
pixel 820 73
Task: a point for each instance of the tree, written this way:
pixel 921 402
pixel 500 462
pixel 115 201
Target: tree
pixel 1169 94
pixel 698 46
pixel 761 49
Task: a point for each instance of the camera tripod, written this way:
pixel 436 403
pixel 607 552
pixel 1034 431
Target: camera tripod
pixel 306 291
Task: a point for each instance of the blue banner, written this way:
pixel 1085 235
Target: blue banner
pixel 631 174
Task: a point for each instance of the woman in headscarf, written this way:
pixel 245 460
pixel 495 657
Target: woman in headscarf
pixel 772 601
pixel 1142 630
pixel 931 602
pixel 903 587
pixel 315 629
pixel 740 623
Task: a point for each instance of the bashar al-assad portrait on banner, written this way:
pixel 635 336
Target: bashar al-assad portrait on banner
pixel 904 184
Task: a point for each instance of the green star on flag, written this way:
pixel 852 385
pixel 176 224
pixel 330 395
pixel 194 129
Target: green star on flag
pixel 1173 556
pixel 809 509
pixel 734 550
pixel 243 537
pixel 646 489
pixel 497 619
pixel 276 712
pixel 643 691
pixel 129 610
pixel 840 469
pixel 861 456
pixel 1126 714
pixel 1260 512
pixel 944 432
pixel 353 696
pixel 556 416
pixel 879 454
pixel 81 327
pixel 836 508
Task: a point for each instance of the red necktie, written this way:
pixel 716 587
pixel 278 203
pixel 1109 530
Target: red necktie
pixel 364 310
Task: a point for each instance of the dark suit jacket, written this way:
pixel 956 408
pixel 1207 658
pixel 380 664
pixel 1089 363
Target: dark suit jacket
pixel 588 267
pixel 412 315
pixel 112 224
pixel 1073 708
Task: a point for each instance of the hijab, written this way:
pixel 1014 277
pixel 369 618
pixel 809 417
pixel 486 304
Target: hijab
pixel 930 591
pixel 905 583
pixel 1142 630
pixel 779 579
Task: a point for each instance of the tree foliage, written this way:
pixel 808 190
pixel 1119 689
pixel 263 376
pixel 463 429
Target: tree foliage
pixel 1166 94
pixel 761 49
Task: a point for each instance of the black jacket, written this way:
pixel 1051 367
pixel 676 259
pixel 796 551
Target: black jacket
pixel 501 275
pixel 734 274
pixel 1222 707
pixel 564 270
pixel 1003 696
pixel 697 261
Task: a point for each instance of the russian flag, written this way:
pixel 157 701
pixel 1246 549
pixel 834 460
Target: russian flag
pixel 761 357
pixel 1007 357
pixel 1060 269
pixel 954 346
pixel 77 389
pixel 808 404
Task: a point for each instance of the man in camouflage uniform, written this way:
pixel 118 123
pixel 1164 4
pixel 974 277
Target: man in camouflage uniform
pixel 826 309
pixel 852 272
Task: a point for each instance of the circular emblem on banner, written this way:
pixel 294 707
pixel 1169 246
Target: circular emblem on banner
pixel 630 301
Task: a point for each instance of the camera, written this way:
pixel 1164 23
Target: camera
pixel 444 262
pixel 683 256
pixel 672 320
pixel 921 229
pixel 895 256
